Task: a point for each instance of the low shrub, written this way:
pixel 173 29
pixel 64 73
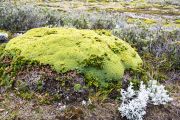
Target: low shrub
pixel 16 18
pixel 161 44
pixel 164 2
pixel 134 103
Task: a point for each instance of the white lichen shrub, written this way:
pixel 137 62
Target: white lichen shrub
pixel 134 102
pixel 158 95
pixel 134 108
pixel 128 94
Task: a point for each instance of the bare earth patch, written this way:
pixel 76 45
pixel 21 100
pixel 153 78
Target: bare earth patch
pixel 15 108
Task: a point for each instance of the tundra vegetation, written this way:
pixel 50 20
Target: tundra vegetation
pixel 89 59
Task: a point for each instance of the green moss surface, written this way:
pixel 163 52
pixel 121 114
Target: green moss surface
pixel 96 54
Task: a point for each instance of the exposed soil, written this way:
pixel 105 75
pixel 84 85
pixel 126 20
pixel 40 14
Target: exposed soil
pixel 15 108
pixel 43 79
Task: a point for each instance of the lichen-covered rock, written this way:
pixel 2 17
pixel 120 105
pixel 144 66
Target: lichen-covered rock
pixel 98 55
pixel 3 37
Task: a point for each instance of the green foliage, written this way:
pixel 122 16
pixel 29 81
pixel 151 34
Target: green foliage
pixel 162 45
pixel 103 32
pixel 26 95
pixel 16 18
pixel 40 85
pixel 100 24
pixel 10 64
pixel 5 80
pixel 94 61
pixel 45 99
pixel 81 23
pixel 77 87
pixel 177 21
pixel 2 47
pixel 83 50
pixel 22 86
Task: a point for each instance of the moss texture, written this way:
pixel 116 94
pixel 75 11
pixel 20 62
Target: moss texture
pixel 96 54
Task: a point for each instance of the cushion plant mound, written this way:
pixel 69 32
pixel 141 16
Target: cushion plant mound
pixel 97 54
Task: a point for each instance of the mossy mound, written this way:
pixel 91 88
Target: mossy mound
pixel 97 54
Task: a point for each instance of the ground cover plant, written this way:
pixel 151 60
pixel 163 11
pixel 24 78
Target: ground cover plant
pixel 92 52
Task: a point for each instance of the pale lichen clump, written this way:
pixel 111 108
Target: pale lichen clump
pixel 97 54
pixel 4 36
pixel 135 102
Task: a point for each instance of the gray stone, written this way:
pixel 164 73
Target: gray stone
pixel 3 37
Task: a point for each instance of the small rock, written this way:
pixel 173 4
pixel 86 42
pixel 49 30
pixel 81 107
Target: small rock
pixel 62 108
pixel 3 37
pixel 17 34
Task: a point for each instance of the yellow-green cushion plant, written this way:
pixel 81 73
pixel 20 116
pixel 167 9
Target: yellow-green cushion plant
pixel 98 55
